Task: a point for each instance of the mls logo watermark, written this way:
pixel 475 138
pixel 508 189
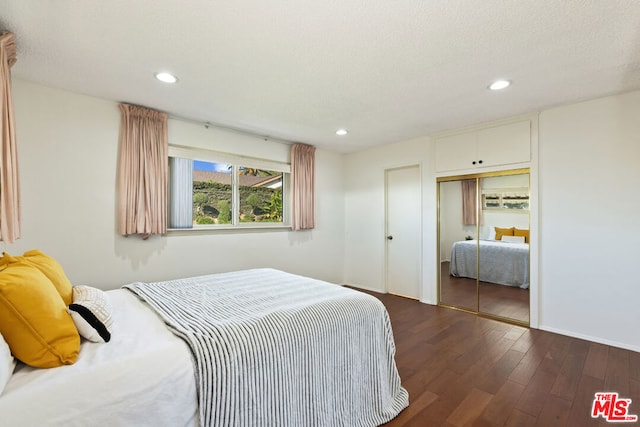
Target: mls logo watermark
pixel 612 408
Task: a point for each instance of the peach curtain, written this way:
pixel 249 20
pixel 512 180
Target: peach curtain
pixel 469 201
pixel 9 182
pixel 143 171
pixel 303 183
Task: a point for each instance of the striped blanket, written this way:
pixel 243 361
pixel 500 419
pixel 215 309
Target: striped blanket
pixel 504 263
pixel 276 349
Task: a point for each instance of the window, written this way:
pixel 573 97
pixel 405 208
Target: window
pixel 513 199
pixel 260 195
pixel 215 190
pixel 212 193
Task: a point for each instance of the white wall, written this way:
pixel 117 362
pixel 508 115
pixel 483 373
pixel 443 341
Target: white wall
pixel 588 180
pixel 68 146
pixel 589 190
pixel 587 177
pixel 365 219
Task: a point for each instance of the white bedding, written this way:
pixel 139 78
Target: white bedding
pixel 277 349
pixel 504 263
pixel 143 377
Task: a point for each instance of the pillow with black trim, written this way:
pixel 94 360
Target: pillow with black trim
pixel 91 312
pixel 7 363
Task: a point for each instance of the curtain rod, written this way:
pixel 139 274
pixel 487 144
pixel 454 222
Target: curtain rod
pixel 207 125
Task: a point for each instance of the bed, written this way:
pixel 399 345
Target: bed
pixel 249 348
pixel 504 263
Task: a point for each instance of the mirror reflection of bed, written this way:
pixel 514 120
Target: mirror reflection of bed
pixel 484 231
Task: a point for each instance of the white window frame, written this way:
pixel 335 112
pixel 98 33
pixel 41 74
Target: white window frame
pixel 237 161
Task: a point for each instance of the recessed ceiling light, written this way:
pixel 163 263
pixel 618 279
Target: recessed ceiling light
pixel 166 77
pixel 499 84
pixel 341 132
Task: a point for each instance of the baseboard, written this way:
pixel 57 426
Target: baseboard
pixel 590 338
pixel 366 288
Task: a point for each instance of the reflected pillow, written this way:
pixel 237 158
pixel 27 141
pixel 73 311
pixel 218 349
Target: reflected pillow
pixel 503 232
pixel 523 233
pixel 513 239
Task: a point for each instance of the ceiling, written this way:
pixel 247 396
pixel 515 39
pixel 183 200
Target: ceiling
pixel 299 70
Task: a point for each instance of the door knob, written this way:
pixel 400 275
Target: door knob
pixel 389 237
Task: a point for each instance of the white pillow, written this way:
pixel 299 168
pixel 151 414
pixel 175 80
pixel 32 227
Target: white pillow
pixel 7 363
pixel 91 312
pixel 513 239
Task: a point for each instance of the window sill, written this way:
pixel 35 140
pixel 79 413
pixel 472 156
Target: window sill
pixel 228 229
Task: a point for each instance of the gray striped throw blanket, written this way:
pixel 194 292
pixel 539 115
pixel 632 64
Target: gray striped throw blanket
pixel 276 349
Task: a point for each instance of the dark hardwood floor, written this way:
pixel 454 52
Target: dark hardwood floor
pixel 461 369
pixel 501 300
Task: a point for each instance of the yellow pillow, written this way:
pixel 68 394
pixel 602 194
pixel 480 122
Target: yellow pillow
pixel 503 232
pixel 33 318
pixel 525 233
pixel 50 267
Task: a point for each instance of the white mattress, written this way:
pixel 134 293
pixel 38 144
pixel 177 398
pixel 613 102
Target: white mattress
pixel 278 349
pixel 504 263
pixel 143 377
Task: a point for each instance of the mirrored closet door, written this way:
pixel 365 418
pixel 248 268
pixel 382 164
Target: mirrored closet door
pixel 483 228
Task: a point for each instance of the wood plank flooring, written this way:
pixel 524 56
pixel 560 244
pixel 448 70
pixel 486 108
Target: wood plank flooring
pixel 464 370
pixel 501 300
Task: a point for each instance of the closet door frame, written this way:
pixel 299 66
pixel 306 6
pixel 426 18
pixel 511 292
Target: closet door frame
pixel 532 259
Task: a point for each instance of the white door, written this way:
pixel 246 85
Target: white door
pixel 403 231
